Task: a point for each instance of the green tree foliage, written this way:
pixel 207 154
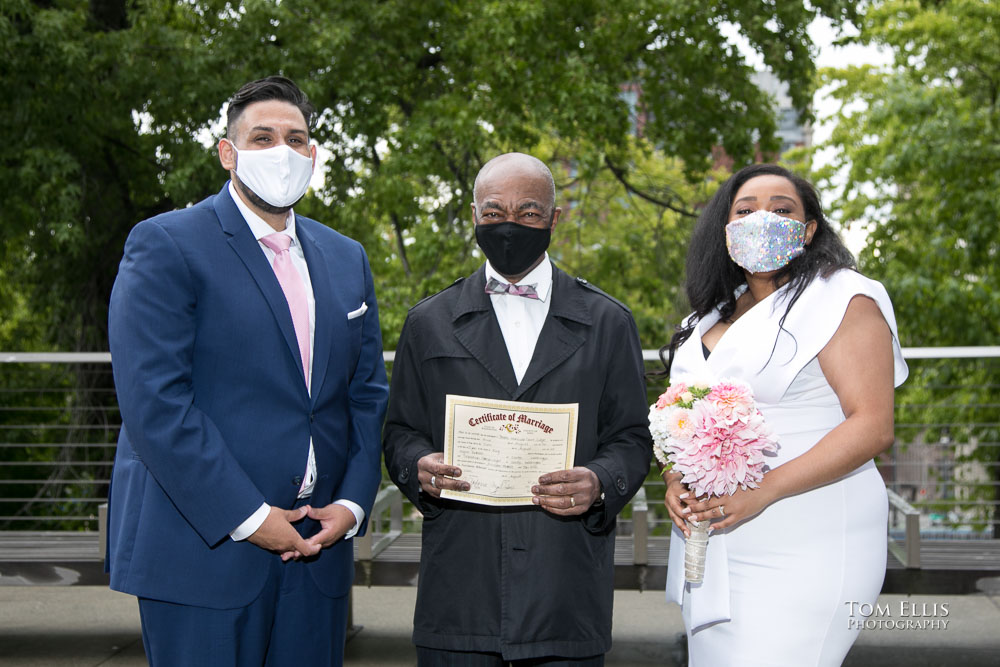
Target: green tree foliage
pixel 110 103
pixel 923 159
pixel 920 144
pixel 630 238
pixel 112 109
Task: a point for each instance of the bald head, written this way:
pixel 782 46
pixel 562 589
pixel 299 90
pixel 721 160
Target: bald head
pixel 514 212
pixel 497 175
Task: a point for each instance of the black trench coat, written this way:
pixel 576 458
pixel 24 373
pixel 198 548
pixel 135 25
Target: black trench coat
pixel 519 581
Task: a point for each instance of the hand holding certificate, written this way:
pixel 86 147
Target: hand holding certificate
pixel 503 447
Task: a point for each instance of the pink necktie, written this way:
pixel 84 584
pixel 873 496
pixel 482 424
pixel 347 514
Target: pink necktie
pixel 295 292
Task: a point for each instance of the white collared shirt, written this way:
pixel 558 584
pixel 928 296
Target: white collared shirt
pixel 260 229
pixel 521 319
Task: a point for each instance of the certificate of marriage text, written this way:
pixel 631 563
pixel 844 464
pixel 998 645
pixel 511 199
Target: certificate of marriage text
pixel 503 447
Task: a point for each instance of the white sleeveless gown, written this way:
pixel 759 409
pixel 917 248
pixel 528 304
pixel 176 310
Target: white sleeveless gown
pixel 777 586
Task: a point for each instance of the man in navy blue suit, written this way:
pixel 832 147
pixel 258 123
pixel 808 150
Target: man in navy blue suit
pixel 248 363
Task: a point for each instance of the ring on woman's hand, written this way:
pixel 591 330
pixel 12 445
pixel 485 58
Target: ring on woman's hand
pixel 572 501
pixel 722 510
pixel 434 479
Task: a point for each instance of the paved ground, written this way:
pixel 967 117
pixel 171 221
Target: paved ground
pixel 85 626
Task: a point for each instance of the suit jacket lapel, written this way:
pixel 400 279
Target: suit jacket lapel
pixel 556 342
pixel 480 334
pixel 242 241
pixel 326 305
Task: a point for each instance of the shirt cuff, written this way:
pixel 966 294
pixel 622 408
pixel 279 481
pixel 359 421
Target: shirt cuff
pixel 359 515
pixel 250 526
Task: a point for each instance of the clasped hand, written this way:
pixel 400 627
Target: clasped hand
pixel 277 533
pixel 563 492
pixel 724 511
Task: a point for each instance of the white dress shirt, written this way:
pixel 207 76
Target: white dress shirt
pixel 521 319
pixel 261 229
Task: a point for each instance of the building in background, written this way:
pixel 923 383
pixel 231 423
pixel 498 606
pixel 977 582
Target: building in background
pixel 792 130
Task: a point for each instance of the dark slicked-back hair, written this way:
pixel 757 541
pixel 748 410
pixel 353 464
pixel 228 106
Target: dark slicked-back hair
pixel 712 275
pixel 269 88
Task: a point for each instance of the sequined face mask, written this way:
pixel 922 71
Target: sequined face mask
pixel 764 241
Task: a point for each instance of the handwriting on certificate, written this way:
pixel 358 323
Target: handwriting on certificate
pixel 503 447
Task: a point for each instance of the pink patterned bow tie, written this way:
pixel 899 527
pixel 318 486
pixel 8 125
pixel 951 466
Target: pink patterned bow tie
pixel 494 286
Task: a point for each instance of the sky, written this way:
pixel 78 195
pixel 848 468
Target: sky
pixel 823 35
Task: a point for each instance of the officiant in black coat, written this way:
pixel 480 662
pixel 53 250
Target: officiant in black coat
pixel 501 585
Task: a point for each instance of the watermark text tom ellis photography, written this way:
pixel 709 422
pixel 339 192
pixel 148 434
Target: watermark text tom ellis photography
pixel 903 615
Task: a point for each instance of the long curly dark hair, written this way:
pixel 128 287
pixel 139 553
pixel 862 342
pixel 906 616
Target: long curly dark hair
pixel 713 277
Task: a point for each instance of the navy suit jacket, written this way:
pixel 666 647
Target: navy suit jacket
pixel 216 415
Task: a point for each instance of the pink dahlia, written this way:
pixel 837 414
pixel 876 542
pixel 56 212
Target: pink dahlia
pixel 733 400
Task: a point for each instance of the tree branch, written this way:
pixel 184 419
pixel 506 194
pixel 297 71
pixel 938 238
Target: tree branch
pixel 397 226
pixel 400 246
pixel 620 174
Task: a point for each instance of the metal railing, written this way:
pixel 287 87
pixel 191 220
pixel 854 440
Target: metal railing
pixel 943 471
pixel 59 421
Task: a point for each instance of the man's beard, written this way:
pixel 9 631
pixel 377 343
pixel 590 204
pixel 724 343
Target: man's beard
pixel 260 203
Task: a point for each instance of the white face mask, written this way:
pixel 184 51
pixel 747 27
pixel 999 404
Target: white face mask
pixel 278 175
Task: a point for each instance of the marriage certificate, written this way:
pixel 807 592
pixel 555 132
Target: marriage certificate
pixel 503 447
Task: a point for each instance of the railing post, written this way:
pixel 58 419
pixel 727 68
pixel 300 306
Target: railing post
pixel 640 528
pixel 396 513
pixel 388 499
pixel 913 540
pixel 909 553
pixel 102 530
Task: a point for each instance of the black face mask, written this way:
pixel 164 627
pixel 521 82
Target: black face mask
pixel 510 247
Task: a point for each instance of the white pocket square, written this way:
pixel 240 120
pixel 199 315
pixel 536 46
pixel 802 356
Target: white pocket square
pixel 359 312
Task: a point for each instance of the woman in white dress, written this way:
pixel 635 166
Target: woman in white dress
pixel 778 304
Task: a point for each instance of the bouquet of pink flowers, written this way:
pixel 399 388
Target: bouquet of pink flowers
pixel 716 437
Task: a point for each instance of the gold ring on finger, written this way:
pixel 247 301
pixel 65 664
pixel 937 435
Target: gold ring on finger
pixel 572 501
pixel 433 480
